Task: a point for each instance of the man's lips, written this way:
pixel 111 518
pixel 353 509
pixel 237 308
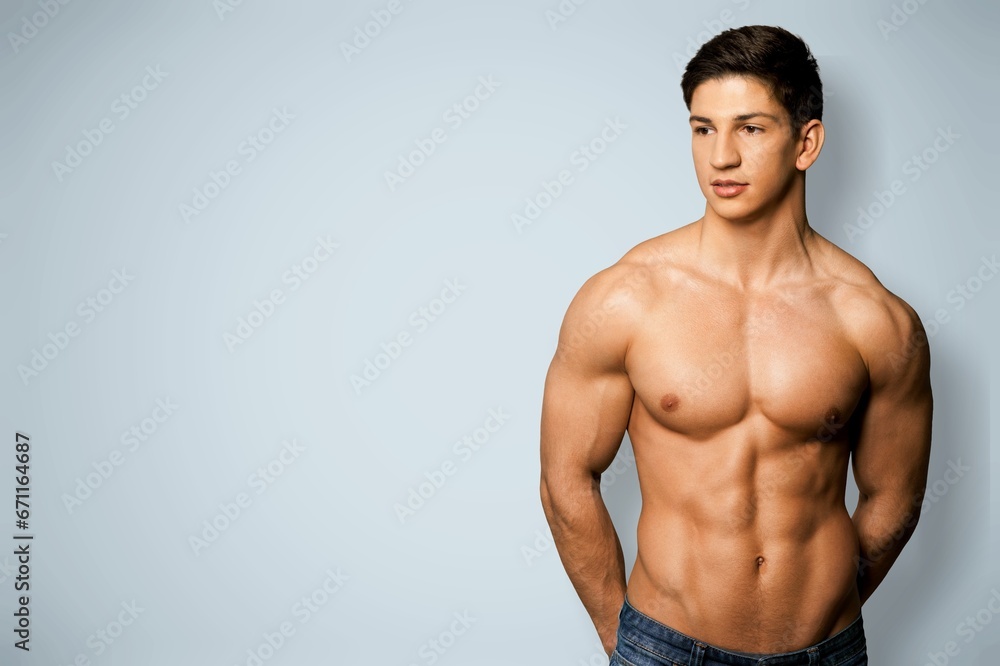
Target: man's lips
pixel 728 188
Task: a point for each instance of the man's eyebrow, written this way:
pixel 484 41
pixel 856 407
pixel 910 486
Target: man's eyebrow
pixel 740 118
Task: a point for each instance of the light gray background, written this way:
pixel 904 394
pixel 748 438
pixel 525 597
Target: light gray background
pixel 478 546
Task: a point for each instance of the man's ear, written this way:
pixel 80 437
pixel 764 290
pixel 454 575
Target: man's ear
pixel 810 144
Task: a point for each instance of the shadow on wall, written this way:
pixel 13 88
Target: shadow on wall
pixel 848 168
pixel 620 490
pixel 954 526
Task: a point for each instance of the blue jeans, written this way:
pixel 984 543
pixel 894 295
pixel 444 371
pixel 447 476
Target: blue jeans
pixel 642 641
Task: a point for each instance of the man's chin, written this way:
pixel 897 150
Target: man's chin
pixel 734 210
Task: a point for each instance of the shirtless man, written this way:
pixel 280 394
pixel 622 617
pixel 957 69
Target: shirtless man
pixel 749 359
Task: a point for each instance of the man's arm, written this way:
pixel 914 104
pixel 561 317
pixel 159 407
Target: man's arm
pixel 892 452
pixel 585 410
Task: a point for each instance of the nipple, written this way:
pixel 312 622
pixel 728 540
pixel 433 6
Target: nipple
pixel 669 402
pixel 832 416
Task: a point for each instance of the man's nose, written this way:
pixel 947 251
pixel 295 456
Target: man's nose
pixel 724 153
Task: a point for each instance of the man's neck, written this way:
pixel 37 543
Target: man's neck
pixel 754 254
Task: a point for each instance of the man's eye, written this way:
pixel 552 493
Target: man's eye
pixel 752 130
pixel 701 130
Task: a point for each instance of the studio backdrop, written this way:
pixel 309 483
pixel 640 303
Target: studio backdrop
pixel 280 283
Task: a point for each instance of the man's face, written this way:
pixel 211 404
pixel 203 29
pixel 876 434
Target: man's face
pixel 743 147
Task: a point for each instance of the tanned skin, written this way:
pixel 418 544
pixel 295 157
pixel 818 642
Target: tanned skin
pixel 750 360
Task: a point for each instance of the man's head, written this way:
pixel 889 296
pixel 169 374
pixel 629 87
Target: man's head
pixel 755 99
pixel 779 59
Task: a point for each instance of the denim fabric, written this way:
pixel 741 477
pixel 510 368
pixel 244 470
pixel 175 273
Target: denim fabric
pixel 642 641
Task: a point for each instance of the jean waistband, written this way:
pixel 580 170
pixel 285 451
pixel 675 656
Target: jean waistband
pixel 643 631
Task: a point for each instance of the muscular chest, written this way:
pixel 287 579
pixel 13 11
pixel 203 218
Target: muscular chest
pixel 702 362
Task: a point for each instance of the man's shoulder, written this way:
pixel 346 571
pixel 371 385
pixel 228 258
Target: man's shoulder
pixel 860 293
pixel 610 305
pixel 660 256
pixel 632 279
pixel 882 324
pixel 667 249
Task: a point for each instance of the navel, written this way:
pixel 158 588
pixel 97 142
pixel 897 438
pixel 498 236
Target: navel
pixel 670 402
pixel 760 560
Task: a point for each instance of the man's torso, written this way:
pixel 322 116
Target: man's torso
pixel 741 427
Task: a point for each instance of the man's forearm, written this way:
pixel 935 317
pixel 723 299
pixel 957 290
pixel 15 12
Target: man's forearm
pixel 590 552
pixel 883 529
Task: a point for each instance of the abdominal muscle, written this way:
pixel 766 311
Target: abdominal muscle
pixel 745 543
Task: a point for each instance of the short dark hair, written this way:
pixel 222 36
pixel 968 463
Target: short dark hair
pixel 781 60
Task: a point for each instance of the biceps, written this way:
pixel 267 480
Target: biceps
pixel 583 422
pixel 893 447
